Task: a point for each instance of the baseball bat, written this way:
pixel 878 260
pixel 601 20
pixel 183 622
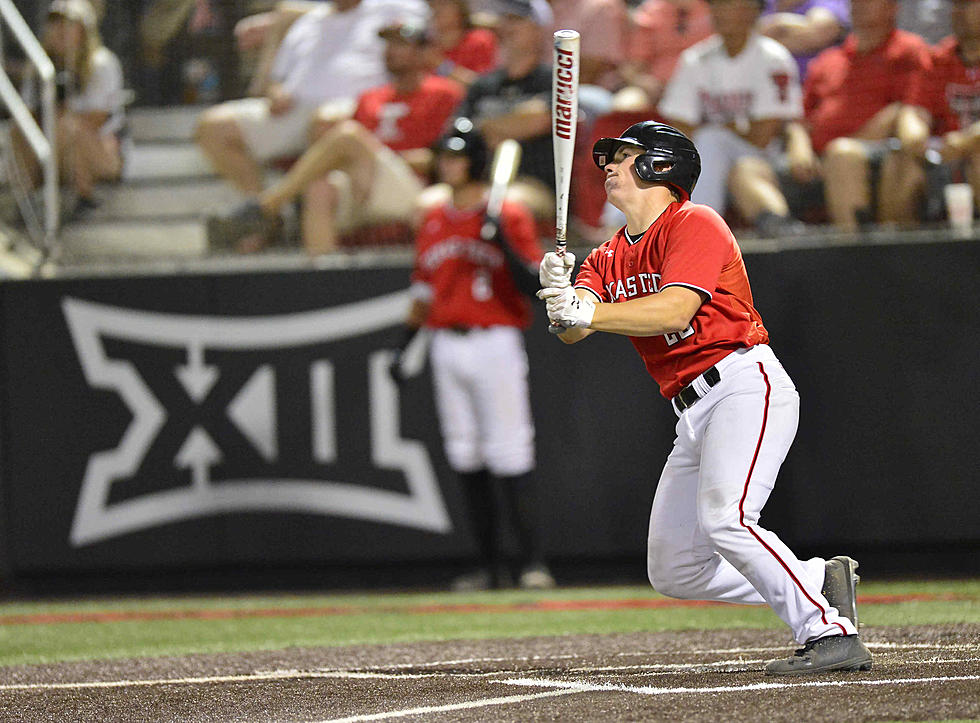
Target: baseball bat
pixel 564 119
pixel 506 160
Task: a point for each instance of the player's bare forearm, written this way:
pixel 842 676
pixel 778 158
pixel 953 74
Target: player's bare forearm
pixel 573 336
pixel 666 312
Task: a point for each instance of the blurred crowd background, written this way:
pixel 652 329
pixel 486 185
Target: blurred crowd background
pixel 809 114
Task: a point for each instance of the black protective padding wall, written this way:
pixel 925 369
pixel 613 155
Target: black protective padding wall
pixel 259 393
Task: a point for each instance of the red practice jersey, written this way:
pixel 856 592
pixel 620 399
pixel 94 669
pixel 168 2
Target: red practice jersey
pixel 688 245
pixel 951 92
pixel 467 279
pixel 403 121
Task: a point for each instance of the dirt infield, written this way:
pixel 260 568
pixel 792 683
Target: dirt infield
pixel 920 673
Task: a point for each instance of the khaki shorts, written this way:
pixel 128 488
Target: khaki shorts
pixel 394 194
pixel 269 137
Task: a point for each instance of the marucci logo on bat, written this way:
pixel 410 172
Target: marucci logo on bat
pixel 565 89
pixel 198 413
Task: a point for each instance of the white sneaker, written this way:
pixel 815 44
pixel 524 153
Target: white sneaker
pixel 473 581
pixel 536 577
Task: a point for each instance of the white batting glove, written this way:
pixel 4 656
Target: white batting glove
pixel 565 307
pixel 555 272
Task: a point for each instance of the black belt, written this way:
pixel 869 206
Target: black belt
pixel 689 395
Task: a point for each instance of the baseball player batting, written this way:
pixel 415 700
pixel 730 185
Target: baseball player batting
pixel 474 274
pixel 673 280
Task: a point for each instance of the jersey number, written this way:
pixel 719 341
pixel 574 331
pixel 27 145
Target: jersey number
pixel 674 337
pixel 482 286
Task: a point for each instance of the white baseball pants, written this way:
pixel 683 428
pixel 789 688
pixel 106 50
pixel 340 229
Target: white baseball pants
pixel 481 386
pixel 704 541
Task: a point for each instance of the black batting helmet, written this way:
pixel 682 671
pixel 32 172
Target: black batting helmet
pixel 663 144
pixel 465 139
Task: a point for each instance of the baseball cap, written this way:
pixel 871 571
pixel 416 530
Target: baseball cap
pixel 78 10
pixel 408 30
pixel 539 11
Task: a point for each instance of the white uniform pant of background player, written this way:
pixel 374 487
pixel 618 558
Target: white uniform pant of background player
pixel 705 542
pixel 720 148
pixel 481 388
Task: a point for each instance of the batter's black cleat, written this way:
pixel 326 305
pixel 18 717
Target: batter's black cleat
pixel 823 655
pixel 840 581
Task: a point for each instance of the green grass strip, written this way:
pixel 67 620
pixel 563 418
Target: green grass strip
pixel 396 617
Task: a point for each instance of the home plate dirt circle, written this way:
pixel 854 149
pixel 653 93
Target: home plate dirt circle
pixel 920 673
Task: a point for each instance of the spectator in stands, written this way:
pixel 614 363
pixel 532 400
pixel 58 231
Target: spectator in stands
pixel 185 56
pixel 805 27
pixel 947 108
pixel 604 27
pixel 460 50
pixel 733 94
pixel 852 97
pixel 327 53
pixel 514 101
pixel 660 31
pixel 360 170
pixel 91 119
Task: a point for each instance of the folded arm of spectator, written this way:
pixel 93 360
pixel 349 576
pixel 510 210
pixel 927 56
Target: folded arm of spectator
pixel 528 120
pixel 280 100
pixel 635 75
pixel 592 69
pixel 912 130
pixel 759 133
pixel 803 34
pixel 881 125
pixel 420 160
pixel 958 145
pixel 803 163
pixel 264 32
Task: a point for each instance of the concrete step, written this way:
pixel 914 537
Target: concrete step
pixel 157 161
pixel 169 123
pixel 131 241
pixel 190 200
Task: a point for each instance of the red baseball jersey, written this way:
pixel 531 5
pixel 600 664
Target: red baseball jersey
pixel 688 245
pixel 844 89
pixel 403 121
pixel 467 279
pixel 951 92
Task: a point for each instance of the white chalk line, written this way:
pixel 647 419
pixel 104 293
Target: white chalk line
pixel 369 674
pixel 482 703
pixel 243 677
pixel 584 687
pixel 568 688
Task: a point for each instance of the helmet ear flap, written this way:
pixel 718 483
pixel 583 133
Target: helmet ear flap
pixel 644 167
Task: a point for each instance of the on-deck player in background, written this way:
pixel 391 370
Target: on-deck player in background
pixel 473 291
pixel 673 280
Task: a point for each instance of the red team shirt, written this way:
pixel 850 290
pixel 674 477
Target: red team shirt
pixel 468 278
pixel 844 89
pixel 688 245
pixel 951 92
pixel 403 121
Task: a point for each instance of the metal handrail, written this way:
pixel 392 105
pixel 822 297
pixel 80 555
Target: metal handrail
pixel 42 141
